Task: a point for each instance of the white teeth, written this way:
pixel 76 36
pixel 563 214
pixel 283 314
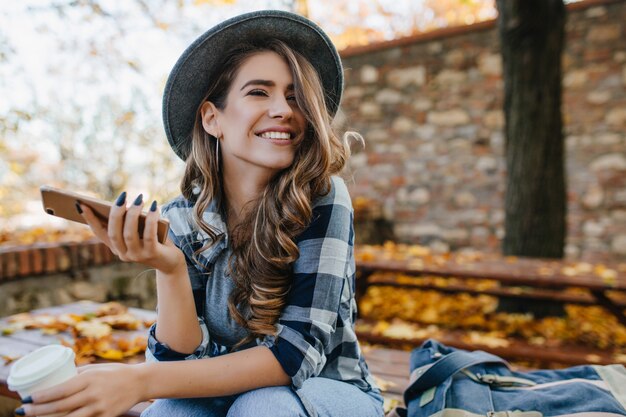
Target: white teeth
pixel 275 135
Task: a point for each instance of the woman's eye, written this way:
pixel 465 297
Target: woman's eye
pixel 291 98
pixel 257 93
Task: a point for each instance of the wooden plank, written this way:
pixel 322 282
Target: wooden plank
pixel 537 274
pixel 84 307
pixel 392 384
pixel 386 355
pixel 516 350
pixel 390 367
pixel 500 292
pixel 15 349
pixel 400 370
pixel 23 342
pixel 522 272
pixel 615 308
pixel 35 336
pixel 11 348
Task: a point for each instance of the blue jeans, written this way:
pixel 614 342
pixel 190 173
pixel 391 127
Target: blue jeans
pixel 318 397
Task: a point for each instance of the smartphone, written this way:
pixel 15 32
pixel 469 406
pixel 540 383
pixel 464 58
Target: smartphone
pixel 62 203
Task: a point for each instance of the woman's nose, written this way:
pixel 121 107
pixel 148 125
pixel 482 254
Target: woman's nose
pixel 280 107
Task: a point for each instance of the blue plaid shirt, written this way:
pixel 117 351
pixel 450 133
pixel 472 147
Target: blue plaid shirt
pixel 315 332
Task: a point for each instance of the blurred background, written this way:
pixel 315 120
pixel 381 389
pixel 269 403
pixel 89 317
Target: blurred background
pixel 81 84
pixel 82 81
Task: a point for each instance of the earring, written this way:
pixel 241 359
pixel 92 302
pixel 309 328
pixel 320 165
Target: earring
pixel 217 153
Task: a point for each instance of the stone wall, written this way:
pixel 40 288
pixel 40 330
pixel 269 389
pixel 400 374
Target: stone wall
pixel 430 110
pixel 432 171
pixel 72 272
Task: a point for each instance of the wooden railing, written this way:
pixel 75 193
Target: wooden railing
pixel 522 279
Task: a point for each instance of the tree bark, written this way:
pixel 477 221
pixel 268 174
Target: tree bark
pixel 532 37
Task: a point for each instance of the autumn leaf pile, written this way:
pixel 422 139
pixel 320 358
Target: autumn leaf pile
pixel 91 335
pixel 592 326
pixel 408 313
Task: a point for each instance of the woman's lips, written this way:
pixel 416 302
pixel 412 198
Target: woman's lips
pixel 280 142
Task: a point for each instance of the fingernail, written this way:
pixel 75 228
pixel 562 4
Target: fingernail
pixel 27 400
pixel 121 199
pixel 153 206
pixel 78 209
pixel 20 412
pixel 138 200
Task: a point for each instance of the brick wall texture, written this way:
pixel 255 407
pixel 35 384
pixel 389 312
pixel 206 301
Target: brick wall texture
pixel 430 111
pixel 70 272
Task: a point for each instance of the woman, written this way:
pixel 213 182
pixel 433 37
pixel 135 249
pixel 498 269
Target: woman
pixel 255 284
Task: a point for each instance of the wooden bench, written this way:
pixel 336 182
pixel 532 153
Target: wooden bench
pixel 391 367
pixel 22 342
pixel 523 279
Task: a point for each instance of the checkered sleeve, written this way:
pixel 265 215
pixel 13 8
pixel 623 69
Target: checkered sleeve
pixel 161 352
pixel 307 329
pixel 182 236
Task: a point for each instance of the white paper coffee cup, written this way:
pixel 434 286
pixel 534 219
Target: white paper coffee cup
pixel 43 368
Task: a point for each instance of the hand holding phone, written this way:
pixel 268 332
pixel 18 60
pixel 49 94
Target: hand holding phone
pixel 62 203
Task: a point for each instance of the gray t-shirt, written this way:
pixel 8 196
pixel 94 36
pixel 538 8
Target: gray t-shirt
pixel 222 327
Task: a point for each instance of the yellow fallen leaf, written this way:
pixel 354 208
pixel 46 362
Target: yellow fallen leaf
pixel 93 328
pixel 389 404
pixel 384 384
pixel 486 340
pixel 416 250
pixel 133 351
pixel 416 263
pixel 609 277
pixel 583 267
pixel 380 327
pixel 8 359
pixel 545 272
pixel 569 271
pixel 593 358
pixel 112 354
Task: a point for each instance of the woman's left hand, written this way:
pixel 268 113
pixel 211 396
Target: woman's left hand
pixel 98 390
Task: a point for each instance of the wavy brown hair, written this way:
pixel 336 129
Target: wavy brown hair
pixel 264 247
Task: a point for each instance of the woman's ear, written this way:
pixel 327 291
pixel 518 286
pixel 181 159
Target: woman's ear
pixel 209 119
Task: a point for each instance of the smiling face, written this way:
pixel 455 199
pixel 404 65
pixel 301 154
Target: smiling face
pixel 260 119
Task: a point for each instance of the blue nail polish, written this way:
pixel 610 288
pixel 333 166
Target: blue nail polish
pixel 153 206
pixel 78 209
pixel 27 400
pixel 20 412
pixel 121 199
pixel 138 200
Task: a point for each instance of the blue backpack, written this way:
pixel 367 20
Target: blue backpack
pixel 448 382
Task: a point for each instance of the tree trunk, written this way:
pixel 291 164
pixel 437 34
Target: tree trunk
pixel 532 36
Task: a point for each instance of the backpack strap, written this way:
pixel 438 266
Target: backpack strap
pixel 427 377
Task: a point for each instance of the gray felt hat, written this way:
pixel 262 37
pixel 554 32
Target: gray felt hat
pixel 194 71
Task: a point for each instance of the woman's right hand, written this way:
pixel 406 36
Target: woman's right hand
pixel 121 236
